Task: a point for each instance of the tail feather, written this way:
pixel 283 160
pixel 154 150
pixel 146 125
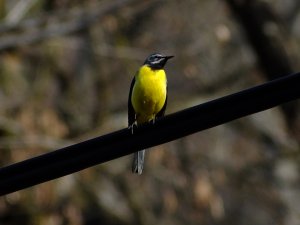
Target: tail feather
pixel 138 162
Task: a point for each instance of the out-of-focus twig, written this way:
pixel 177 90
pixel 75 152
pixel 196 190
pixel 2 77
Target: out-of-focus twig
pixel 61 23
pixel 19 11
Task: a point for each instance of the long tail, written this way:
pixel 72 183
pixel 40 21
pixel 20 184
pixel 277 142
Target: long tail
pixel 138 161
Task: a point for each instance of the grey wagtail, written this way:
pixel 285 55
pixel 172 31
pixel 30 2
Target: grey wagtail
pixel 147 98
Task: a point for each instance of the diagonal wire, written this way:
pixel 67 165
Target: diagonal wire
pixel 120 143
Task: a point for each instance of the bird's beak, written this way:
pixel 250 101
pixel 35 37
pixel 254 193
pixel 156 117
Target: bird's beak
pixel 169 57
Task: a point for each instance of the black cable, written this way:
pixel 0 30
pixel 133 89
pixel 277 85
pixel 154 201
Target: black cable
pixel 120 143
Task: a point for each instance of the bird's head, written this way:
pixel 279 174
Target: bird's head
pixel 157 61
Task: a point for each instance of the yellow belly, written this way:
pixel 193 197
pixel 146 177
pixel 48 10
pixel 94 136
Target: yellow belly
pixel 149 93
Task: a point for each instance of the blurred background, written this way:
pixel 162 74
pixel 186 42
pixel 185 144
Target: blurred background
pixel 65 73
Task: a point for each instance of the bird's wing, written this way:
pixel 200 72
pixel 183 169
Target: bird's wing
pixel 131 112
pixel 162 111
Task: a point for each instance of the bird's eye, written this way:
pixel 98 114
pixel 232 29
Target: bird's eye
pixel 153 58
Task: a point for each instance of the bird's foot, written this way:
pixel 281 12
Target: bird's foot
pixel 132 126
pixel 153 121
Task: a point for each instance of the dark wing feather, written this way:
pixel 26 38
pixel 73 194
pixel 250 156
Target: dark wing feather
pixel 162 111
pixel 131 112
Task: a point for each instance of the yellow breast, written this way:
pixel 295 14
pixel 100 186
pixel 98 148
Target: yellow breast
pixel 149 93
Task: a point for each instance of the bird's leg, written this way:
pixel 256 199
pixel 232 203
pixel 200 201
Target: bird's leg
pixel 132 126
pixel 153 120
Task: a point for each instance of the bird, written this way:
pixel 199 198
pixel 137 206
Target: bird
pixel 147 99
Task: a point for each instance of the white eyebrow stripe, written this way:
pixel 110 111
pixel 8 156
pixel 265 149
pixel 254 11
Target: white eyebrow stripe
pixel 157 61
